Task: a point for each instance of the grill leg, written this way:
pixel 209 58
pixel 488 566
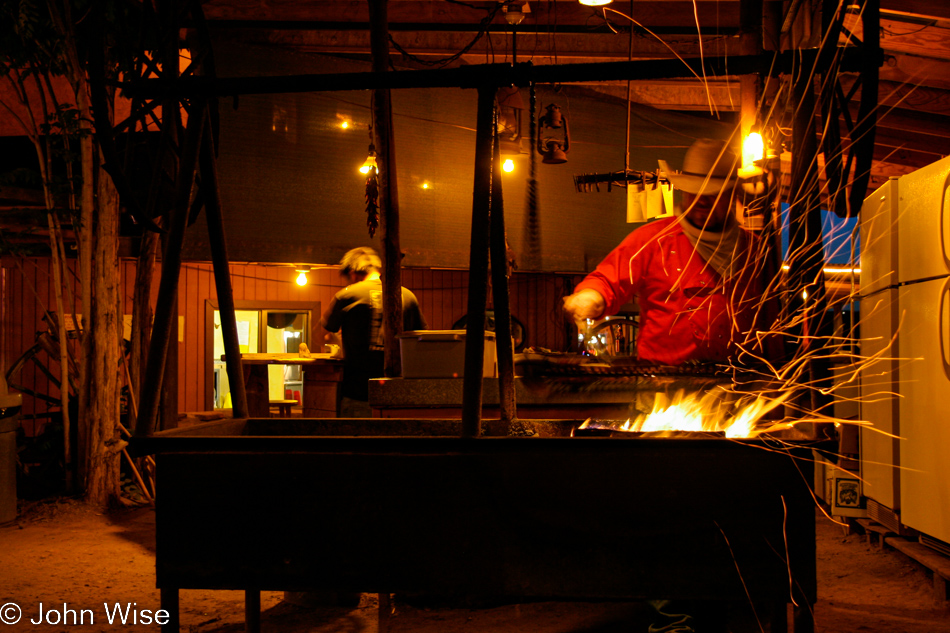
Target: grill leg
pixel 385 609
pixel 169 602
pixel 804 619
pixel 778 617
pixel 252 611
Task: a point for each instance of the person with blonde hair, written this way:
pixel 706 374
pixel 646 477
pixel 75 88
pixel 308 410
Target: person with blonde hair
pixel 356 313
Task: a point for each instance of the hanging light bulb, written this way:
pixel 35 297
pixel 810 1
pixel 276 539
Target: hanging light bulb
pixel 370 162
pixel 508 165
pixel 302 277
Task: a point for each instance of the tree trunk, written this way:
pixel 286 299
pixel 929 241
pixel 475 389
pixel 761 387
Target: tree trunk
pixel 142 309
pixel 100 443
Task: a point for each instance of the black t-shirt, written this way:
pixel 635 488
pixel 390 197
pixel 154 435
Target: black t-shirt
pixel 357 310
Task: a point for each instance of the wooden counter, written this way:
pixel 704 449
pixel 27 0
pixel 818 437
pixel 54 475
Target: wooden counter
pixel 321 379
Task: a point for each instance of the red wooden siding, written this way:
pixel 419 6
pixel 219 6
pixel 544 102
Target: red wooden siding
pixel 443 294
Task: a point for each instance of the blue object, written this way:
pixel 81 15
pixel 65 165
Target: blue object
pixel 835 236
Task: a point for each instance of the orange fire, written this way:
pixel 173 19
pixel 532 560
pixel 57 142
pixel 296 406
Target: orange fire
pixel 709 412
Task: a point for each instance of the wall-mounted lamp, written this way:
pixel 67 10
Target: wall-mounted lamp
pixel 758 183
pixel 753 151
pixel 553 149
pixel 302 277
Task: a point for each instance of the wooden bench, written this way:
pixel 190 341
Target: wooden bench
pixel 874 531
pixel 283 407
pixel 936 562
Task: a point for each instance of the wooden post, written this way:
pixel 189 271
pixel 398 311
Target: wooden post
pixel 168 403
pixel 504 344
pixel 142 307
pixel 388 198
pixel 222 273
pixel 806 255
pixel 171 268
pixel 478 265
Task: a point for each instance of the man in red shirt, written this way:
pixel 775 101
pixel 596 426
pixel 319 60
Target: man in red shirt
pixel 698 282
pixel 697 277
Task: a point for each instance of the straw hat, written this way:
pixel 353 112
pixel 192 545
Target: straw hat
pixel 708 167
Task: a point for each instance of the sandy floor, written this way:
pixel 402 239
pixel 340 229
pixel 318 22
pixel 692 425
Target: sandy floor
pixel 63 553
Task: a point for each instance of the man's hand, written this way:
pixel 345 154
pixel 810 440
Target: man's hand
pixel 586 304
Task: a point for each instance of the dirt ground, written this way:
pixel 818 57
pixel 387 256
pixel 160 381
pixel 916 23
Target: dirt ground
pixel 61 552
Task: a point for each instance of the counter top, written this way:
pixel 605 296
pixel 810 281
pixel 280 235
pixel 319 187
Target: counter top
pixel 286 359
pixel 447 392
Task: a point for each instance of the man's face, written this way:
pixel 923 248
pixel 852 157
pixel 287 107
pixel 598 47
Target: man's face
pixel 708 211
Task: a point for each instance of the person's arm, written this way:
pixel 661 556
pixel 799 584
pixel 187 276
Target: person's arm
pixel 612 284
pixel 412 317
pixel 585 304
pixel 332 319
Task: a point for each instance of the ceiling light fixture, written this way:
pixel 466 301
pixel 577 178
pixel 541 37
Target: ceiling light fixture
pixel 514 13
pixel 594 3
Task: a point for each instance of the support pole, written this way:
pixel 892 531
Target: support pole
pixel 388 198
pixel 171 268
pixel 222 273
pixel 478 265
pixel 504 344
pixel 806 255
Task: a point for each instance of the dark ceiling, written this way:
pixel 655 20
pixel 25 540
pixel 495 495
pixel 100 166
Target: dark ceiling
pixel 914 86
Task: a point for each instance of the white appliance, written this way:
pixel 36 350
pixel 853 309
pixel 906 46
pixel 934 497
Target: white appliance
pixel 905 289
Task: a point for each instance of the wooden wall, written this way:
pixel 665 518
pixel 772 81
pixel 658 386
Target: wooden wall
pixel 443 294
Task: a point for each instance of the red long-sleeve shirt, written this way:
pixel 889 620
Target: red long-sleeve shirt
pixel 687 311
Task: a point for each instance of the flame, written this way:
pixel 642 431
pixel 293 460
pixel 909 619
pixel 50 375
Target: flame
pixel 701 412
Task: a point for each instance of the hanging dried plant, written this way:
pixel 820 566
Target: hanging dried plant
pixel 372 202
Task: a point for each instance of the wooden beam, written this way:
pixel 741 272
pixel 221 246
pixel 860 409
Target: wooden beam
pixel 388 198
pixel 904 37
pixel 934 8
pixel 908 97
pixel 540 48
pixel 478 264
pixel 222 273
pixel 165 308
pixel 678 13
